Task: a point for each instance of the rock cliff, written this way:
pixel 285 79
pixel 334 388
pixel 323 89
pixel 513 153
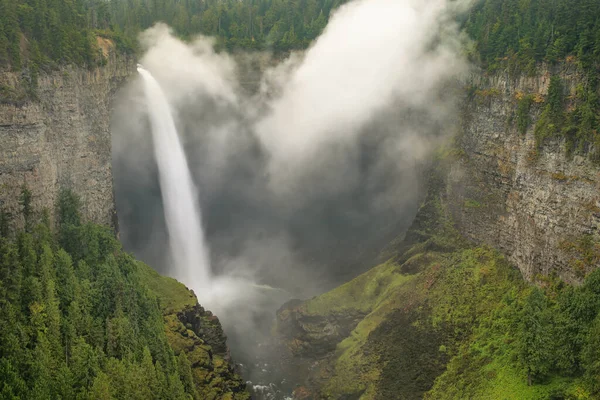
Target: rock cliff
pixel 58 136
pixel 535 203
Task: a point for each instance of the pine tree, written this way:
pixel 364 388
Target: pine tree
pixel 185 374
pixel 536 337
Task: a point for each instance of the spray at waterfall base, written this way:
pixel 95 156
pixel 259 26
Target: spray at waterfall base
pixel 183 214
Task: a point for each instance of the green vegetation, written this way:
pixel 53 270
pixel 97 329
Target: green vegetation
pixel 471 328
pixel 171 293
pixel 536 343
pixel 523 110
pixel 363 294
pixel 552 117
pixel 577 124
pixel 528 32
pixel 470 203
pixel 38 34
pixel 523 32
pixel 375 294
pixel 584 252
pixel 81 319
pixel 447 320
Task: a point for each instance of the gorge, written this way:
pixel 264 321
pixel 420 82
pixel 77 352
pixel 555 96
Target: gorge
pixel 436 212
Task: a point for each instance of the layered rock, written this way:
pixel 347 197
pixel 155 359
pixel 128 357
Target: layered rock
pixel 537 205
pixel 58 136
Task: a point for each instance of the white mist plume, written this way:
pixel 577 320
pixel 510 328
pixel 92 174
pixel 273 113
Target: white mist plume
pixel 187 71
pixel 372 53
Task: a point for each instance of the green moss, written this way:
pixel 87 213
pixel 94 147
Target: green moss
pixel 471 376
pixel 362 294
pixel 470 203
pixel 410 316
pixel 356 369
pixel 523 110
pixel 584 252
pixel 172 295
pixel 506 381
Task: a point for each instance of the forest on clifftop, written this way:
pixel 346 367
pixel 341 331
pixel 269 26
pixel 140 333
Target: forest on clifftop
pixel 38 35
pixel 42 32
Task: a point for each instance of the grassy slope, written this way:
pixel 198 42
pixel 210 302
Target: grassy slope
pixel 449 312
pixel 173 295
pixel 376 293
pixel 440 323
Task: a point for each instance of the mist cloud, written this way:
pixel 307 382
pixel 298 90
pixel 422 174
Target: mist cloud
pixel 372 54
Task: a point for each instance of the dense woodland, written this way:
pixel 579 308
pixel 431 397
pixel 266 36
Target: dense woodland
pixel 76 321
pixel 520 35
pixel 45 31
pixel 533 31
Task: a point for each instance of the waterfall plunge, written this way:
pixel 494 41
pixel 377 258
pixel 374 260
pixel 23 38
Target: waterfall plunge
pixel 237 299
pixel 182 214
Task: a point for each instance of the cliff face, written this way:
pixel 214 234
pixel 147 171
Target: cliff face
pixel 60 138
pixel 502 190
pixel 537 205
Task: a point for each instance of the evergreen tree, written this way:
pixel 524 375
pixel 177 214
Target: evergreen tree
pixel 536 336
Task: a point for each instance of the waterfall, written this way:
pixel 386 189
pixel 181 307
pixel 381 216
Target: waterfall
pixel 182 213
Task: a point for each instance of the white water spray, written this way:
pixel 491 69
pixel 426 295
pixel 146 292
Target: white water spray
pixel 183 216
pixel 241 303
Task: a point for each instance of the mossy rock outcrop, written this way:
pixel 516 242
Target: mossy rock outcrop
pixel 198 333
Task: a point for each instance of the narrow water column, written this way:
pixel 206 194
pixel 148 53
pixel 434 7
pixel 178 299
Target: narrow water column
pixel 180 197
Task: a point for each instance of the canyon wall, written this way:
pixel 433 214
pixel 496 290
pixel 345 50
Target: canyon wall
pixel 58 136
pixel 535 203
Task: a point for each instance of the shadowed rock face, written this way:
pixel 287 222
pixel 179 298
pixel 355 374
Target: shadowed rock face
pixel 207 326
pixel 59 137
pixel 314 336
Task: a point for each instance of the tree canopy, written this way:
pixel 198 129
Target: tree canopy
pixel 78 320
pixel 42 32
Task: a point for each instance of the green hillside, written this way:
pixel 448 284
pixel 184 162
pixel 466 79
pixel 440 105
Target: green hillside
pixel 82 319
pixel 448 320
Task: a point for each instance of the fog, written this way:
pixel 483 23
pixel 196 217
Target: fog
pixel 307 165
